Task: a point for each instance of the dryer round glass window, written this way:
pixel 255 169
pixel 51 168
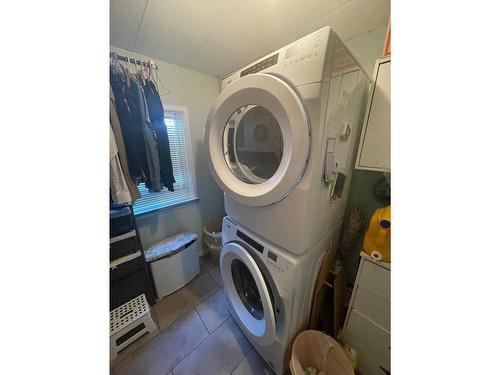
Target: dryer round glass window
pixel 253 144
pixel 247 289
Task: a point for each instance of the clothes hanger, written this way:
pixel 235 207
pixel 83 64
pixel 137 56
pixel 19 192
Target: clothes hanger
pixel 135 66
pixel 128 64
pixel 113 58
pixel 162 85
pixel 140 73
pixel 155 81
pixel 127 72
pixel 149 70
pixel 144 69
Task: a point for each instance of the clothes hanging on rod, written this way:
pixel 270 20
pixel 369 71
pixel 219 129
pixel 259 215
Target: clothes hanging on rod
pixel 119 189
pixel 132 133
pixel 149 64
pixel 122 155
pixel 149 155
pixel 157 117
pixel 143 130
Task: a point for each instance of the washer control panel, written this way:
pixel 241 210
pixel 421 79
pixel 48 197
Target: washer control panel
pixel 278 263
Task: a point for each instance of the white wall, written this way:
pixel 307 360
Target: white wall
pixel 368 47
pixel 196 91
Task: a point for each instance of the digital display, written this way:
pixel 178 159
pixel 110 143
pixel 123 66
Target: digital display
pixel 272 256
pixel 257 246
pixel 270 61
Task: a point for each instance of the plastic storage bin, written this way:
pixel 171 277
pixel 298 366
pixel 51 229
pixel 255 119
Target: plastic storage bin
pixel 173 262
pixel 212 234
pixel 313 349
pixel 121 221
pixel 123 244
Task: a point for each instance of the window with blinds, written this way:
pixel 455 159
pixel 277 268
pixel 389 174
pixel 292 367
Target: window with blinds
pixel 176 123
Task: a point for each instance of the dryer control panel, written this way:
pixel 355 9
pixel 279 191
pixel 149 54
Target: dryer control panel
pixel 261 65
pixel 302 61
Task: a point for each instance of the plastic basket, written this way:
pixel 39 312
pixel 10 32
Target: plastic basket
pixel 315 349
pixel 212 237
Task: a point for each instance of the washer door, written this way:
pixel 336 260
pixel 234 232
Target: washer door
pixel 258 138
pixel 247 293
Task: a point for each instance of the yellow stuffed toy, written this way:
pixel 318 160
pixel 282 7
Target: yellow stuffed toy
pixel 377 242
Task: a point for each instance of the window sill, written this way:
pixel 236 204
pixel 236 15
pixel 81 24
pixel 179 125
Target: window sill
pixel 168 208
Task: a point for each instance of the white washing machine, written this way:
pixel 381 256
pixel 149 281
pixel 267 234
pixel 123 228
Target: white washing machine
pixel 268 290
pixel 278 125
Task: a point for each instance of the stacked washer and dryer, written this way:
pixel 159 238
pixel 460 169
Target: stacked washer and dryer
pixel 281 139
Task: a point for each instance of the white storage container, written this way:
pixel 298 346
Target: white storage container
pixel 173 262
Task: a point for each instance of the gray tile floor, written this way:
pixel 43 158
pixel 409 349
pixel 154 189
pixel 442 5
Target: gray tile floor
pixel 195 335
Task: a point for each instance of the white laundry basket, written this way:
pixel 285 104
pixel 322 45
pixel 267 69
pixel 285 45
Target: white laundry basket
pixel 212 237
pixel 173 262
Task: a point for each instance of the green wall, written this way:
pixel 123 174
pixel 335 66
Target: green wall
pixel 361 196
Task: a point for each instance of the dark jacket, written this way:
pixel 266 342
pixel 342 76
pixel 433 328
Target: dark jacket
pixel 132 134
pixel 156 115
pixel 149 157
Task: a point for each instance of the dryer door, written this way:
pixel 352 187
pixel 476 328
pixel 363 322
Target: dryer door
pixel 258 138
pixel 247 293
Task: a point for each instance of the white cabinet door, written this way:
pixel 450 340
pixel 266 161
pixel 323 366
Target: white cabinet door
pixel 367 326
pixel 374 151
pixel 371 342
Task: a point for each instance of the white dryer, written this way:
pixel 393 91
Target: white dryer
pixel 268 290
pixel 270 131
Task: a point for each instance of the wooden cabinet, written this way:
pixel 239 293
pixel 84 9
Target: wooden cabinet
pixel 367 327
pixel 374 150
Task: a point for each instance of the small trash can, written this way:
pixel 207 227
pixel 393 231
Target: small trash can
pixel 173 262
pixel 314 352
pixel 212 233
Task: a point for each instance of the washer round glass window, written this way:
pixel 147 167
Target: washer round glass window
pixel 247 289
pixel 253 144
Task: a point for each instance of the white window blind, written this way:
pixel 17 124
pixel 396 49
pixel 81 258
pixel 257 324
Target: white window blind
pixel 182 166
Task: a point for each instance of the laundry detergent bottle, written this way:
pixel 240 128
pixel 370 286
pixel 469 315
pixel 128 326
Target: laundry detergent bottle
pixel 377 242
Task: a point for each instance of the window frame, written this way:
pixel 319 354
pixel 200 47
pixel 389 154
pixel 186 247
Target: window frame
pixel 190 161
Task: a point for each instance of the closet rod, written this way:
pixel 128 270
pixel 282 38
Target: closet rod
pixel 134 61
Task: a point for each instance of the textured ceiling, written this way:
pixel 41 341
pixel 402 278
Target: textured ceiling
pixel 218 36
